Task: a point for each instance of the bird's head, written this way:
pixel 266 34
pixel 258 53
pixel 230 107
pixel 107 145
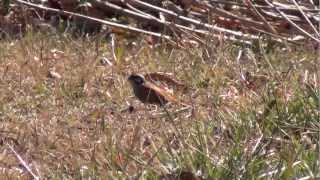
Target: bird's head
pixel 136 79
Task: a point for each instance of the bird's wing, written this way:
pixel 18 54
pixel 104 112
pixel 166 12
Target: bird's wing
pixel 161 91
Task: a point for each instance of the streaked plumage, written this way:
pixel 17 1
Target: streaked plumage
pixel 148 92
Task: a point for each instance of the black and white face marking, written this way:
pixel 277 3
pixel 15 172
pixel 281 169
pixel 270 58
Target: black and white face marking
pixel 137 79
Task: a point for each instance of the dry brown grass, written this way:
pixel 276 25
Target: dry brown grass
pixel 76 126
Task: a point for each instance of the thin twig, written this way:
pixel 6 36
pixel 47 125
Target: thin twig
pixel 130 28
pixel 227 14
pixel 196 22
pixel 25 165
pixel 241 5
pixel 147 16
pixel 307 19
pixel 262 18
pixel 292 23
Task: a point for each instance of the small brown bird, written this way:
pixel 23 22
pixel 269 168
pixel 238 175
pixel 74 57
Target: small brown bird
pixel 148 92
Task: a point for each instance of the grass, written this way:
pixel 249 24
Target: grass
pixel 253 117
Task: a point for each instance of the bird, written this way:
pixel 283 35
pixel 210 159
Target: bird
pixel 149 93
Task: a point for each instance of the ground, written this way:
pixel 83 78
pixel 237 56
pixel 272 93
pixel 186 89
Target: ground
pixel 64 110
